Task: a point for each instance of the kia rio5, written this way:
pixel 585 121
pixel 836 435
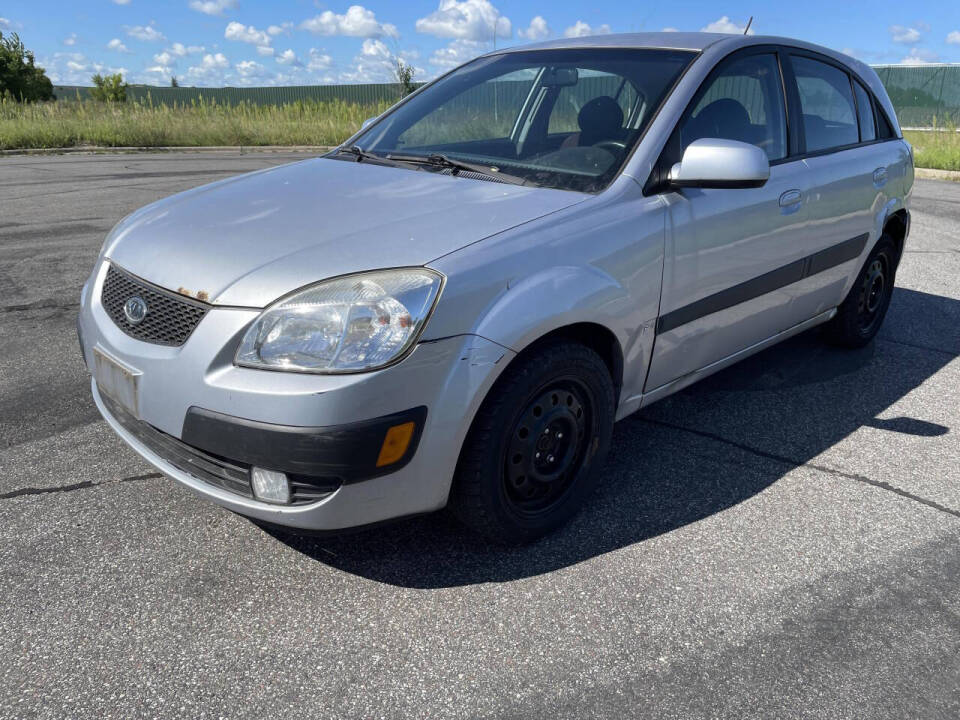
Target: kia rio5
pixel 453 307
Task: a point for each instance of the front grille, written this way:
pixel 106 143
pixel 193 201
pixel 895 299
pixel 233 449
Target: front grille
pixel 170 317
pixel 213 469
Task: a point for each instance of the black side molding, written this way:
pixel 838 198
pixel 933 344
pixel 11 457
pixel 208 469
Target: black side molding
pixel 348 452
pixel 766 283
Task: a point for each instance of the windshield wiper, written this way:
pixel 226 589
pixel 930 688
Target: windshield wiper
pixel 442 161
pixel 362 155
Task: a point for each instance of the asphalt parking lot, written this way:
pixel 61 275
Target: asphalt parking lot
pixel 781 540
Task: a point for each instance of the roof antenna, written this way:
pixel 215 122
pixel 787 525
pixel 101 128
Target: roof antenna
pixel 749 23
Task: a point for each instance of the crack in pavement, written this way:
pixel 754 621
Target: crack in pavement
pixel 44 304
pixel 881 484
pixel 74 486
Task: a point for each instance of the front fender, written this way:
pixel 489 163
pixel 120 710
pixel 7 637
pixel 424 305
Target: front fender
pixel 552 298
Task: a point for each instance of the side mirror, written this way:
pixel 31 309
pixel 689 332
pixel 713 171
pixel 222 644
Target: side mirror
pixel 366 123
pixel 717 163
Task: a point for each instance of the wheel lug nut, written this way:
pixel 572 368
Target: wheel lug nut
pixel 538 456
pixel 549 458
pixel 546 431
pixel 559 436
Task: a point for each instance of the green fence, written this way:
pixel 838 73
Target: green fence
pixel 368 94
pixel 924 95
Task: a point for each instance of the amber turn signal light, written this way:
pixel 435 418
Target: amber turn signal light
pixel 395 443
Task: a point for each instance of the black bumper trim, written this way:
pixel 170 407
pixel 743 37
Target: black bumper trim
pixel 347 452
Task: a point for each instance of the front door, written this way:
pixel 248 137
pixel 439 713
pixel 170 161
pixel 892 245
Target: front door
pixel 730 253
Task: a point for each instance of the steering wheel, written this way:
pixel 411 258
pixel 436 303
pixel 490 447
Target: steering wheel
pixel 613 146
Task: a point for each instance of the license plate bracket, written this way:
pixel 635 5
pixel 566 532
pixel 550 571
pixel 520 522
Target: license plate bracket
pixel 117 380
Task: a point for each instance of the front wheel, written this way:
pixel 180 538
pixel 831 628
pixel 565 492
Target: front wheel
pixel 533 453
pixel 861 314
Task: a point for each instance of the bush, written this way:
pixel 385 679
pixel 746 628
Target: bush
pixel 20 79
pixel 404 74
pixel 111 88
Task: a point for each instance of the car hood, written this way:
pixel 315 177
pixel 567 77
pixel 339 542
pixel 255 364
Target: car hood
pixel 251 239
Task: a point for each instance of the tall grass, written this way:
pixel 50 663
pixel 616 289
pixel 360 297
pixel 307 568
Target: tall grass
pixel 145 124
pixel 142 123
pixel 939 149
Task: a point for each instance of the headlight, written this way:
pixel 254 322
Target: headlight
pixel 348 324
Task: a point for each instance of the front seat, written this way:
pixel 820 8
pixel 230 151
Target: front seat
pixel 600 119
pixel 725 118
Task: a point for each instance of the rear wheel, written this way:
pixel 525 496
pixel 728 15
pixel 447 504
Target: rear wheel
pixel 532 455
pixel 861 314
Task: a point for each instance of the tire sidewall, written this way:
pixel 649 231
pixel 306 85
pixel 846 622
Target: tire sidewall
pixel 523 383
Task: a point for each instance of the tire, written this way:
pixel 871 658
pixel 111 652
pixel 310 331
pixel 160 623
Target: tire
pixel 861 314
pixel 534 450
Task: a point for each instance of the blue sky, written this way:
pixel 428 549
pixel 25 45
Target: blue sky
pixel 282 42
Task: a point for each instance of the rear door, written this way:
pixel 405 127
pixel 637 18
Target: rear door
pixel 849 172
pixel 730 253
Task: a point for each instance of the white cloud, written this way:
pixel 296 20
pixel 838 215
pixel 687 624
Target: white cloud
pixel 165 59
pixel 121 2
pixel 726 25
pixel 117 44
pixel 954 37
pixel 218 61
pixel 904 35
pixel 244 33
pixel 265 51
pixel 582 29
pixel 70 40
pixel 283 28
pixel 288 57
pixel 249 68
pixel 919 56
pixel 212 7
pixel 5 24
pixel 377 63
pixel 71 68
pixel 210 71
pixel 319 60
pixel 181 50
pixel 147 33
pixel 457 53
pixel 669 29
pixel 474 20
pixel 356 22
pixel 538 29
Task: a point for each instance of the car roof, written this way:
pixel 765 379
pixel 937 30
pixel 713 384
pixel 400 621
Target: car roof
pixel 693 41
pixel 666 40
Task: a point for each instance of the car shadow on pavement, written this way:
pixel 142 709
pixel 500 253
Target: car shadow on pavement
pixel 692 455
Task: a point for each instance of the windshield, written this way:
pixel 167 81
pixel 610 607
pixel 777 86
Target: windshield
pixel 565 119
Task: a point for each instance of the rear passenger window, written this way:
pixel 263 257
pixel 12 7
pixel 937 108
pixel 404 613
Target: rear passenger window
pixel 744 102
pixel 868 129
pixel 826 101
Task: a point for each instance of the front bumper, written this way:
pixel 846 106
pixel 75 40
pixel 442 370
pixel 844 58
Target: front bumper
pixel 446 378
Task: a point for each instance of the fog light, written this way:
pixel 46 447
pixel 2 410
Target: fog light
pixel 270 485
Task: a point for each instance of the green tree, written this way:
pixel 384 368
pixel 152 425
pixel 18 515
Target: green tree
pixel 404 73
pixel 174 82
pixel 111 88
pixel 20 79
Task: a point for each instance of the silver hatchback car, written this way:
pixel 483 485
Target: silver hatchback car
pixel 454 306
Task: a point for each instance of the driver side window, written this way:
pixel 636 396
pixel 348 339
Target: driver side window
pixel 743 101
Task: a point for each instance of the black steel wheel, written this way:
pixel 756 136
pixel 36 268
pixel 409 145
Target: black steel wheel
pixel 861 314
pixel 533 451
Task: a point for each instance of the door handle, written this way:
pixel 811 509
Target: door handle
pixel 879 176
pixel 790 198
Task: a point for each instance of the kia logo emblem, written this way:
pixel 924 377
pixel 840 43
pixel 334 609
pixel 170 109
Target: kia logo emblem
pixel 135 310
